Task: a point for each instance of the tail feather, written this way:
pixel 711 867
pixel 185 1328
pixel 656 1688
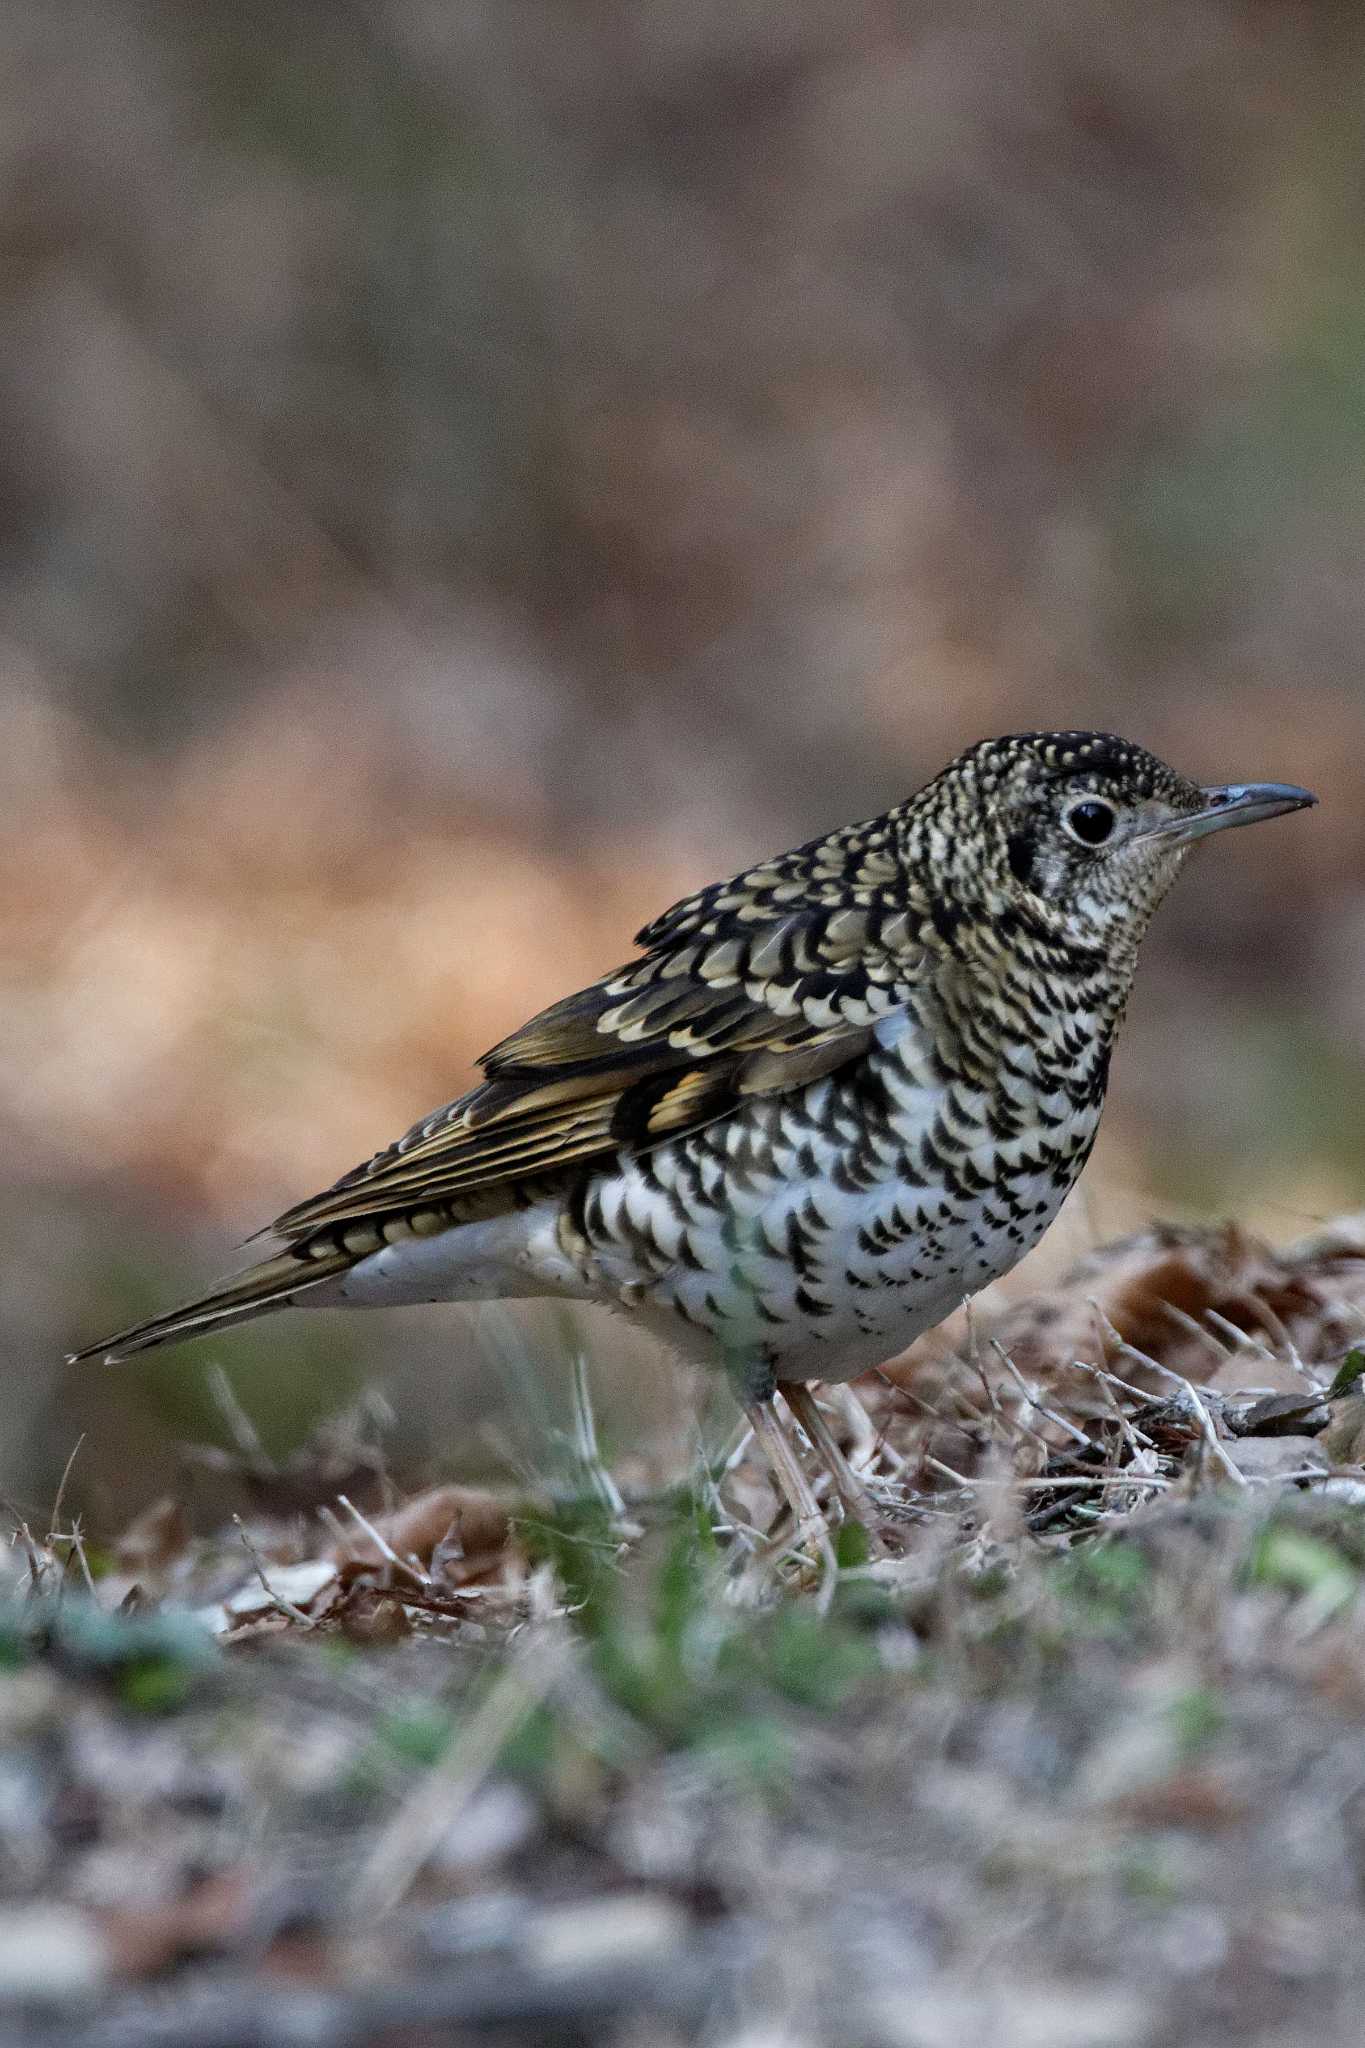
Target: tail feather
pixel 272 1284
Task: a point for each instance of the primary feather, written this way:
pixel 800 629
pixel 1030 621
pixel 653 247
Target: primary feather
pixel 738 994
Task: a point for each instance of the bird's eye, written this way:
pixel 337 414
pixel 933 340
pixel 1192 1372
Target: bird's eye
pixel 1091 821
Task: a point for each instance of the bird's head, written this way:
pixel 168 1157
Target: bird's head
pixel 1083 824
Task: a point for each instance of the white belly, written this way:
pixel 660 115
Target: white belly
pixel 784 1234
pixel 869 1286
pixel 822 1273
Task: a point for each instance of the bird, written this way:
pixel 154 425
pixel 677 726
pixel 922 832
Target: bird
pixel 826 1101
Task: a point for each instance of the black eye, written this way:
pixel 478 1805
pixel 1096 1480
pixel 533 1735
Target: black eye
pixel 1091 822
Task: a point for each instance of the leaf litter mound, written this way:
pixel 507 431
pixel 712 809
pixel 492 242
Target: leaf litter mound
pixel 1074 1753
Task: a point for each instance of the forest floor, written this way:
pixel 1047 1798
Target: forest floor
pixel 1078 1760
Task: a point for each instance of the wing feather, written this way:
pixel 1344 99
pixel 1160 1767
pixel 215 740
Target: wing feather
pixel 751 987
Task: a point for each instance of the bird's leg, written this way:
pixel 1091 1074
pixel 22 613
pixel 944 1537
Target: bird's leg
pixel 811 1527
pixel 853 1494
pixel 755 1383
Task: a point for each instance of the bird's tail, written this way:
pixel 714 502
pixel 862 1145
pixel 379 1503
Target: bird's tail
pixel 272 1284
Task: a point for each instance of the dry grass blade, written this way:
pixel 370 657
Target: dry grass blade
pixel 533 1669
pixel 62 1483
pixel 586 1445
pixel 240 1426
pixel 405 1565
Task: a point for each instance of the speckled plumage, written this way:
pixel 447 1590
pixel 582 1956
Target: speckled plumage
pixel 831 1097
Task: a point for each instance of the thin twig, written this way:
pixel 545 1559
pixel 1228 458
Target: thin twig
pixel 1112 1379
pixel 37 1562
pixel 1242 1340
pixel 1196 1329
pixel 736 1455
pixel 1124 1478
pixel 860 1425
pixel 723 1521
pixel 896 1388
pixel 1059 1421
pixel 1262 1308
pixel 78 1545
pixel 277 1600
pixel 437 1602
pixel 1205 1420
pixel 937 1465
pixel 413 1570
pixel 997 1413
pixel 1135 1438
pixel 56 1515
pixel 333 1522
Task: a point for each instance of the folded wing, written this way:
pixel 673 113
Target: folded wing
pixel 751 987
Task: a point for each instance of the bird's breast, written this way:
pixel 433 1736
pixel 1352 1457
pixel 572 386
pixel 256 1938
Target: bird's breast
pixel 826 1227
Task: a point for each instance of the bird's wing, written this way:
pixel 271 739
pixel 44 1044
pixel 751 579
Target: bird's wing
pixel 752 987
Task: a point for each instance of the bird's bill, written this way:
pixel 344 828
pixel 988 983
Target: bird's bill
pixel 1236 803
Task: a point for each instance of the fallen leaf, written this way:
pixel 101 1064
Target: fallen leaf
pixel 144 1940
pixel 1185 1798
pixel 463 1521
pixel 1283 1415
pixel 367 1617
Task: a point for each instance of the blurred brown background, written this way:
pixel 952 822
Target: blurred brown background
pixel 470 473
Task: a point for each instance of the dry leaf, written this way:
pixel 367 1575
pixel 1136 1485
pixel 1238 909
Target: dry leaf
pixel 369 1618
pixel 1302 1414
pixel 145 1940
pixel 1189 1798
pixel 464 1521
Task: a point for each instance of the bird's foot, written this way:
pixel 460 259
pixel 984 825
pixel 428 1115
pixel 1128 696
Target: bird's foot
pixel 855 1496
pixel 812 1529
